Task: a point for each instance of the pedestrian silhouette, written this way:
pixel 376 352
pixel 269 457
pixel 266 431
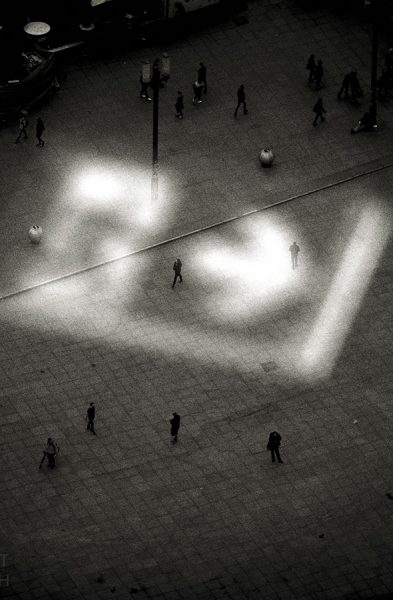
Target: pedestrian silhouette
pixel 177 265
pixel 310 66
pixel 197 87
pixel 39 130
pixel 318 74
pixel 175 424
pixel 90 416
pixel 241 99
pixel 202 76
pixel 273 445
pixel 319 110
pixel 179 106
pixel 50 452
pixel 345 87
pixel 23 123
pixel 144 91
pixel 294 250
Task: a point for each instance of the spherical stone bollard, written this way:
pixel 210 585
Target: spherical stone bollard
pixel 266 157
pixel 35 234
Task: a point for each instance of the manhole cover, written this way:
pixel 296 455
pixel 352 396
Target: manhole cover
pixel 270 366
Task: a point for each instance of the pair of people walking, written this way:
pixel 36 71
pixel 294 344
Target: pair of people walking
pixel 350 87
pixel 23 124
pixel 50 452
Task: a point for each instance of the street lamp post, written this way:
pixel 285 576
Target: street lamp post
pixel 374 66
pixel 159 77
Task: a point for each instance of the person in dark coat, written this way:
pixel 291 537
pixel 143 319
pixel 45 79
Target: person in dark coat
pixel 319 110
pixel 179 106
pixel 318 74
pixel 39 130
pixel 294 250
pixel 273 445
pixel 202 76
pixel 175 424
pixel 177 265
pixel 310 66
pixel 241 99
pixel 90 416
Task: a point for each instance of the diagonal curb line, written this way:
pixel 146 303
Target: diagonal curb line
pixel 201 230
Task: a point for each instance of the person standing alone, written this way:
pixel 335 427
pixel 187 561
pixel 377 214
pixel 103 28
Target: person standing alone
pixel 177 265
pixel 39 130
pixel 241 99
pixel 294 250
pixel 175 424
pixel 273 445
pixel 90 416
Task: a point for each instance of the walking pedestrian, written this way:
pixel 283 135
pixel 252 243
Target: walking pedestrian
pixel 319 110
pixel 197 87
pixel 144 93
pixel 23 123
pixel 175 424
pixel 318 74
pixel 50 452
pixel 90 416
pixel 177 268
pixel 345 86
pixel 179 106
pixel 310 66
pixel 294 250
pixel 202 76
pixel 39 130
pixel 241 99
pixel 273 445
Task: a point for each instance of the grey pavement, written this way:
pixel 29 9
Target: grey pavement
pixel 242 347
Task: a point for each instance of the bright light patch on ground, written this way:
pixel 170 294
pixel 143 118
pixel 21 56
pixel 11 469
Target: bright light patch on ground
pixel 345 295
pixel 252 272
pixel 99 186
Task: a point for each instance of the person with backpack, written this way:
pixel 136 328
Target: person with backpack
pixel 23 123
pixel 319 110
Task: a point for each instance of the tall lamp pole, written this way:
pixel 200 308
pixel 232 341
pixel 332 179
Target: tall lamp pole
pixel 374 65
